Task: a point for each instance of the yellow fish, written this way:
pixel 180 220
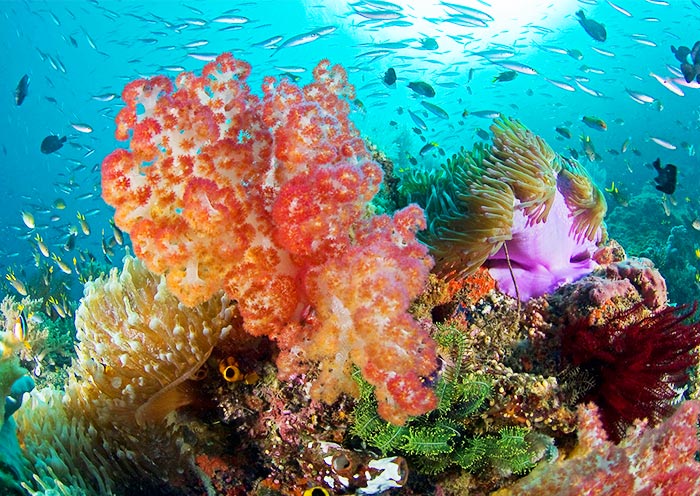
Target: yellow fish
pixel 83 224
pixel 20 328
pixel 16 283
pixel 42 246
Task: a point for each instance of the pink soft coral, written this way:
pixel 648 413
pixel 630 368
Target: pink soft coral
pixel 658 461
pixel 266 198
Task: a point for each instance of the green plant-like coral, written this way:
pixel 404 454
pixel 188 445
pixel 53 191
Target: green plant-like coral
pixel 447 436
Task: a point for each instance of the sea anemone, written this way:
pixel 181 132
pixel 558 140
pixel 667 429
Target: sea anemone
pixel 527 164
pixel 471 217
pixel 638 360
pixel 586 202
pixel 531 216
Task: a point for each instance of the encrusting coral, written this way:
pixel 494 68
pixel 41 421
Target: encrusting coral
pixel 661 460
pixel 265 198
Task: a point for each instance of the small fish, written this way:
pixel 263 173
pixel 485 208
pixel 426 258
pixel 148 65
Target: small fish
pixel 16 283
pixel 428 44
pixel 417 120
pixel 594 123
pixel 84 226
pixel 563 131
pixel 625 145
pixel 561 84
pixel 575 54
pixel 640 97
pixel 594 29
pixel 82 128
pixel 19 330
pixel 70 242
pixel 389 78
pixel 481 133
pixel 42 246
pixel 592 70
pixel 427 147
pixel 435 110
pixel 666 177
pixel 117 233
pixel 663 143
pixel 505 76
pixel 106 248
pixel 495 54
pixel 484 114
pixel 422 88
pixel 300 39
pixel 205 57
pixel 22 90
pixel 588 148
pixel 588 90
pixel 57 307
pixel 696 226
pixel 28 219
pixel 619 9
pixel 52 143
pixel 469 11
pixel 231 20
pixel 619 197
pixel 518 67
pixel 61 264
pixel 605 53
pixel 668 84
pixel 379 15
pixel 269 42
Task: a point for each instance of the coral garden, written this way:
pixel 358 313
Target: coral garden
pixel 302 319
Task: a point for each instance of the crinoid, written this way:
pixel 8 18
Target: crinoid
pixel 639 362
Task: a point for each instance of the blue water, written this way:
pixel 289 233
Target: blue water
pixel 76 52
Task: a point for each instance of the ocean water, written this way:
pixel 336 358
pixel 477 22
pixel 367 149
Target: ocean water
pixel 79 55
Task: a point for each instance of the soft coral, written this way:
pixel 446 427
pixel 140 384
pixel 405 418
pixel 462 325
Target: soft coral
pixel 637 360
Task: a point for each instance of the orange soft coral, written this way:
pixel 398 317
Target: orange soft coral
pixel 267 198
pixel 361 299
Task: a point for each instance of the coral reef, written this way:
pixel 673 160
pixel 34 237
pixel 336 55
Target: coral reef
pixel 676 258
pixel 638 361
pixel 267 200
pixel 13 384
pixel 443 438
pixel 660 460
pixel 279 336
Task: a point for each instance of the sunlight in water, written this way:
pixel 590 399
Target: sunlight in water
pixel 505 22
